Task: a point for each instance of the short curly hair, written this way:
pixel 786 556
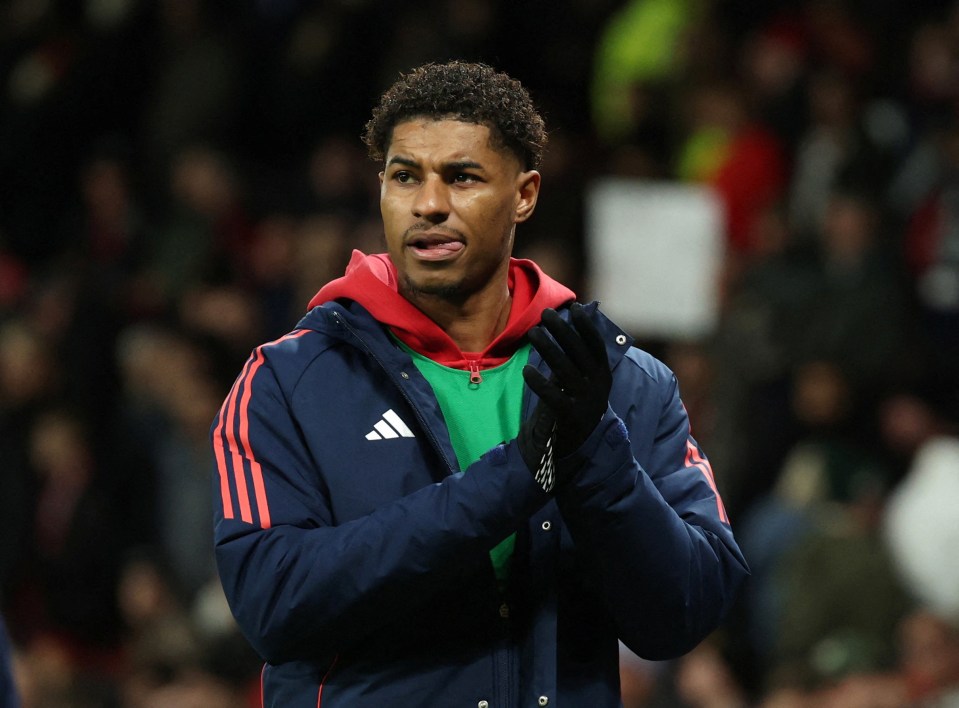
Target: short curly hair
pixel 469 92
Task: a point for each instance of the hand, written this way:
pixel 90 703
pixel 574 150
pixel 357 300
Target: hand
pixel 535 440
pixel 577 394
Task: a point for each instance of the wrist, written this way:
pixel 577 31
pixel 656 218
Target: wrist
pixel 569 461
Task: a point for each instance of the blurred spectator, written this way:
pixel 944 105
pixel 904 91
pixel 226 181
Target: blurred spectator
pixel 838 36
pixel 322 248
pixel 841 601
pixel 338 184
pixel 63 601
pixel 929 651
pixel 755 352
pixel 928 99
pixel 160 474
pixel 227 315
pixel 183 496
pixel 834 152
pixel 742 160
pixel 857 312
pixel 920 519
pixel 932 248
pixel 704 680
pixel 159 641
pixel 270 269
pixel 173 660
pixel 932 58
pixel 195 84
pixel 639 50
pixel 775 62
pixel 207 231
pixel 111 228
pixel 926 674
pixel 822 521
pixel 47 676
pixel 29 374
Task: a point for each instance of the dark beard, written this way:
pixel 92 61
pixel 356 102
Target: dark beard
pixel 453 292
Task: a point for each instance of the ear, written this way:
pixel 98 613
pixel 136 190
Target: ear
pixel 527 192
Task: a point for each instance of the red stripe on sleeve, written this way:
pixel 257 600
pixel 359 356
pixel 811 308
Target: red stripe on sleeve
pixel 218 445
pixel 326 676
pixel 243 496
pixel 261 504
pixel 256 471
pixel 221 467
pixel 262 689
pixel 234 414
pixel 695 459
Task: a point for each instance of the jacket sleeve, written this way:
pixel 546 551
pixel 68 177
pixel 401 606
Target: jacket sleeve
pixel 655 533
pixel 302 587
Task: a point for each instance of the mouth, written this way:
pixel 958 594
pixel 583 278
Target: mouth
pixel 433 246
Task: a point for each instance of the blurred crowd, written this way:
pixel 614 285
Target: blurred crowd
pixel 178 177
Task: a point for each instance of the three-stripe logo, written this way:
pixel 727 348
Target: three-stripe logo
pixel 389 426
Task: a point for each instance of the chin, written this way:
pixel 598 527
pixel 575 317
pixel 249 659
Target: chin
pixel 434 287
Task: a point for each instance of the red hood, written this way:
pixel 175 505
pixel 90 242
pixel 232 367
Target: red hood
pixel 371 281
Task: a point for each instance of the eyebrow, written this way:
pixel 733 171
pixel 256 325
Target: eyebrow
pixel 457 165
pixel 464 165
pixel 397 160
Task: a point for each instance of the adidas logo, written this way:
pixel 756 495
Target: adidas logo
pixel 390 426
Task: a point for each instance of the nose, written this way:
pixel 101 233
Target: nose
pixel 432 201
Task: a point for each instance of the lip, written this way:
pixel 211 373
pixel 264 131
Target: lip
pixel 434 246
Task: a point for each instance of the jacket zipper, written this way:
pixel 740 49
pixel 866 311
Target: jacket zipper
pixel 475 377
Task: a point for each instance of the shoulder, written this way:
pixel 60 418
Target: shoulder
pixel 321 332
pixel 645 365
pixel 629 360
pixel 323 327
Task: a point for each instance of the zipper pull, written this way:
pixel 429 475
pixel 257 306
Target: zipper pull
pixel 475 378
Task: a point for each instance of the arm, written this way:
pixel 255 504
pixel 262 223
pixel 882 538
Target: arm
pixel 302 587
pixel 655 536
pixel 665 555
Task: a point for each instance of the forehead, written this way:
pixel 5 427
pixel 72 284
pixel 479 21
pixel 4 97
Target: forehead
pixel 446 140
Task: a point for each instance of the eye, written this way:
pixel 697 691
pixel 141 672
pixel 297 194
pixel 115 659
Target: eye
pixel 465 177
pixel 402 176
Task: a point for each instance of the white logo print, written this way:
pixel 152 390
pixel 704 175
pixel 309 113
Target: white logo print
pixel 389 426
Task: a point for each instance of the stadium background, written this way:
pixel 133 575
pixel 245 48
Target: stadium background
pixel 178 177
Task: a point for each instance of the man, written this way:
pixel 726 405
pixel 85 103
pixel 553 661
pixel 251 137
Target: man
pixel 401 520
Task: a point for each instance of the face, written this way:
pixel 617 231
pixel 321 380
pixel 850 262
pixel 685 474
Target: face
pixel 450 202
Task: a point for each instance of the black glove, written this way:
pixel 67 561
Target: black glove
pixel 535 440
pixel 577 393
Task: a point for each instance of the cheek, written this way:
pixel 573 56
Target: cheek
pixel 489 213
pixel 391 212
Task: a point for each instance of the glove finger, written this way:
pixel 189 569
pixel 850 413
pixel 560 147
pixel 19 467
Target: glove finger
pixel 547 390
pixel 590 335
pixel 565 372
pixel 571 342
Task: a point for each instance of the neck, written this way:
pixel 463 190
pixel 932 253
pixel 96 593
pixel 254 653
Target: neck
pixel 473 323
